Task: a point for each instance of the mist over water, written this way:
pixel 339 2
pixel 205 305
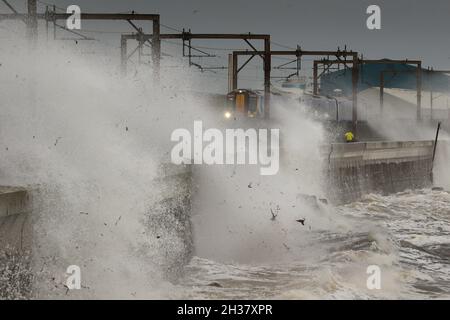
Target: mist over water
pixel 243 252
pixel 88 145
pixel 234 206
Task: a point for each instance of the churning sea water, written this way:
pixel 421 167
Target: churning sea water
pixel 406 234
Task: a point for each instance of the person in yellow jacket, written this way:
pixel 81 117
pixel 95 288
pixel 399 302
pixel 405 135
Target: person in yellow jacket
pixel 349 136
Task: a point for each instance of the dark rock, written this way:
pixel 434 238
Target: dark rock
pixel 215 284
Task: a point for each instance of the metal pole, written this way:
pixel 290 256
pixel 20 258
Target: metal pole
pixel 156 48
pixel 140 46
pixel 337 109
pixel 54 24
pixel 190 52
pixel 431 103
pixel 267 68
pixel 123 55
pixel 235 72
pixel 315 80
pixel 419 91
pixel 381 92
pixel 230 72
pixel 32 21
pixel 436 140
pixel 355 73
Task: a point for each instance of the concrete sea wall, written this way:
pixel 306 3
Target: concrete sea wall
pixel 15 244
pixel 355 169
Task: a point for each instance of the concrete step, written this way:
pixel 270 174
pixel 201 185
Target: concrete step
pixel 13 200
pixel 14 215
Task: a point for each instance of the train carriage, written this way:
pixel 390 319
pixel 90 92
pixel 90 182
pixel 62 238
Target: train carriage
pixel 244 103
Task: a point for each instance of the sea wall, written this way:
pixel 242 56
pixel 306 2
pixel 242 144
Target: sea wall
pixel 355 169
pixel 15 244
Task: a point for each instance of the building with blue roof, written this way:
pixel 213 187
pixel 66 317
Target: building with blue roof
pixel 396 76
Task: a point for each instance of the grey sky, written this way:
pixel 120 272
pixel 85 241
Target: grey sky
pixel 410 28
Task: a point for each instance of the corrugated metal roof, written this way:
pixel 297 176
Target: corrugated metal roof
pixel 369 76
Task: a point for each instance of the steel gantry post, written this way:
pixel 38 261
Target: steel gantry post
pixel 419 90
pixel 32 21
pixel 267 69
pixel 156 47
pixel 123 55
pixel 355 75
pixel 315 78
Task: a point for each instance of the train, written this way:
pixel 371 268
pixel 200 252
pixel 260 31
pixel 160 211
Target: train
pixel 244 103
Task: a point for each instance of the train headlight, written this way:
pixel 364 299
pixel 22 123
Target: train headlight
pixel 227 115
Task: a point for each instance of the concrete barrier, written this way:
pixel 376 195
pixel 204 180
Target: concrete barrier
pixel 441 168
pixel 15 244
pixel 14 215
pixel 355 169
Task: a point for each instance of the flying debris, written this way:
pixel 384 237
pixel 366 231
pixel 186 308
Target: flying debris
pixel 57 140
pixel 274 216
